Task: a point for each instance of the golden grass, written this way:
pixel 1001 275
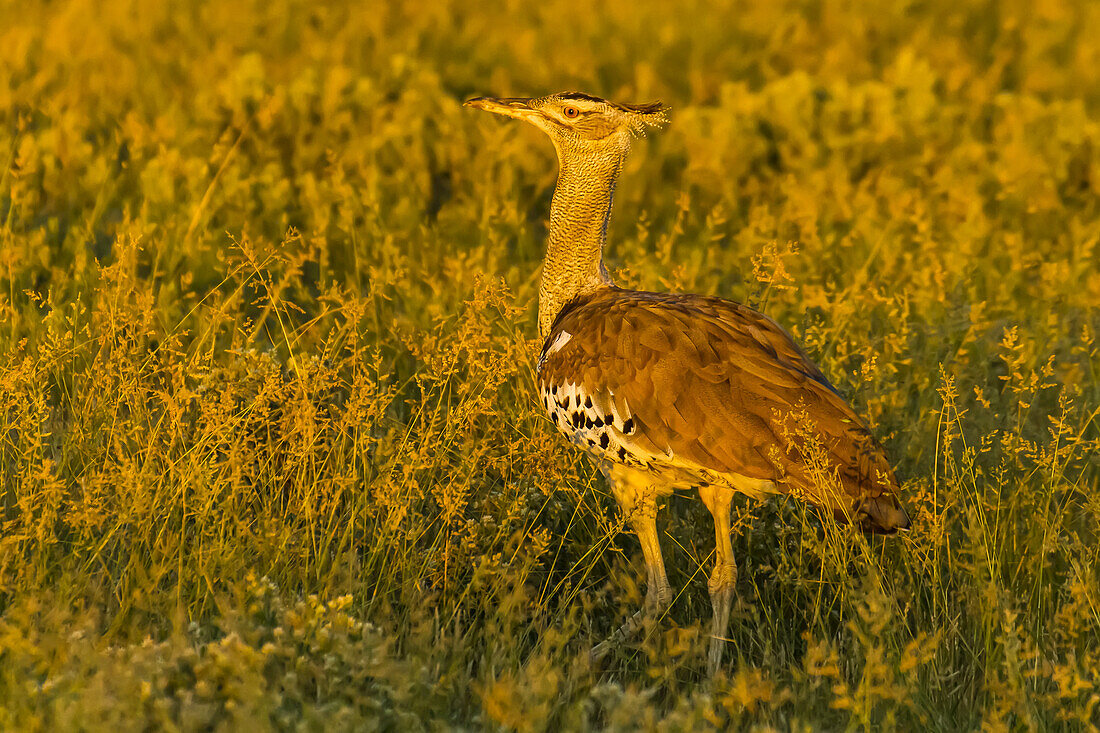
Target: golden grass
pixel 271 454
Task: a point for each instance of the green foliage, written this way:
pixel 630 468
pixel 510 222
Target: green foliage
pixel 270 452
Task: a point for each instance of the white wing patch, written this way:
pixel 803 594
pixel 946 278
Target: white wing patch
pixel 554 347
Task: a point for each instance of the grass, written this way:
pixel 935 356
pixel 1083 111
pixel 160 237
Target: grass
pixel 271 455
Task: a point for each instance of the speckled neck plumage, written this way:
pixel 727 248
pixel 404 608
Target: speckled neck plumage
pixel 579 215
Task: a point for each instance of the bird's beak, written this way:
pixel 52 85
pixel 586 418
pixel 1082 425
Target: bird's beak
pixel 510 107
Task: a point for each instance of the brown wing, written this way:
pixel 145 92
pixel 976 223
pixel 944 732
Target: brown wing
pixel 714 385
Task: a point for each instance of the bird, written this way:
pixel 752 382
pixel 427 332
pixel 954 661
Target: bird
pixel 679 392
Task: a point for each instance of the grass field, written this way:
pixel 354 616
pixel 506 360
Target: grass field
pixel 271 455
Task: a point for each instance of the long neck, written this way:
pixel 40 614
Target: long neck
pixel 579 215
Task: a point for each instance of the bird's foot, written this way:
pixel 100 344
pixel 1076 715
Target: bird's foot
pixel 657 600
pixel 722 585
pixel 617 639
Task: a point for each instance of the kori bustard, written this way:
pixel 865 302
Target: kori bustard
pixel 672 391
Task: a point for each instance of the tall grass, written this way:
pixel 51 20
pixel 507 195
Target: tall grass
pixel 270 452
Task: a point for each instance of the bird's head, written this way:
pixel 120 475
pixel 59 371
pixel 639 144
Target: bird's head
pixel 578 122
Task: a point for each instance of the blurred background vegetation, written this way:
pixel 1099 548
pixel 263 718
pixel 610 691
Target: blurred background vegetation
pixel 270 452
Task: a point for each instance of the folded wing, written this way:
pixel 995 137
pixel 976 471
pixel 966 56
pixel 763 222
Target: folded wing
pixel 713 387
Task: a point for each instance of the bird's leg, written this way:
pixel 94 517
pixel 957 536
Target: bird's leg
pixel 658 594
pixel 643 518
pixel 723 581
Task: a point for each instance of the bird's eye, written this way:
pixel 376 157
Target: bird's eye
pixel 571 112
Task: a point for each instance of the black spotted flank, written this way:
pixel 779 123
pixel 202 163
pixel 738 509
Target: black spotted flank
pixel 628 426
pixel 604 440
pixel 588 401
pixel 622 453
